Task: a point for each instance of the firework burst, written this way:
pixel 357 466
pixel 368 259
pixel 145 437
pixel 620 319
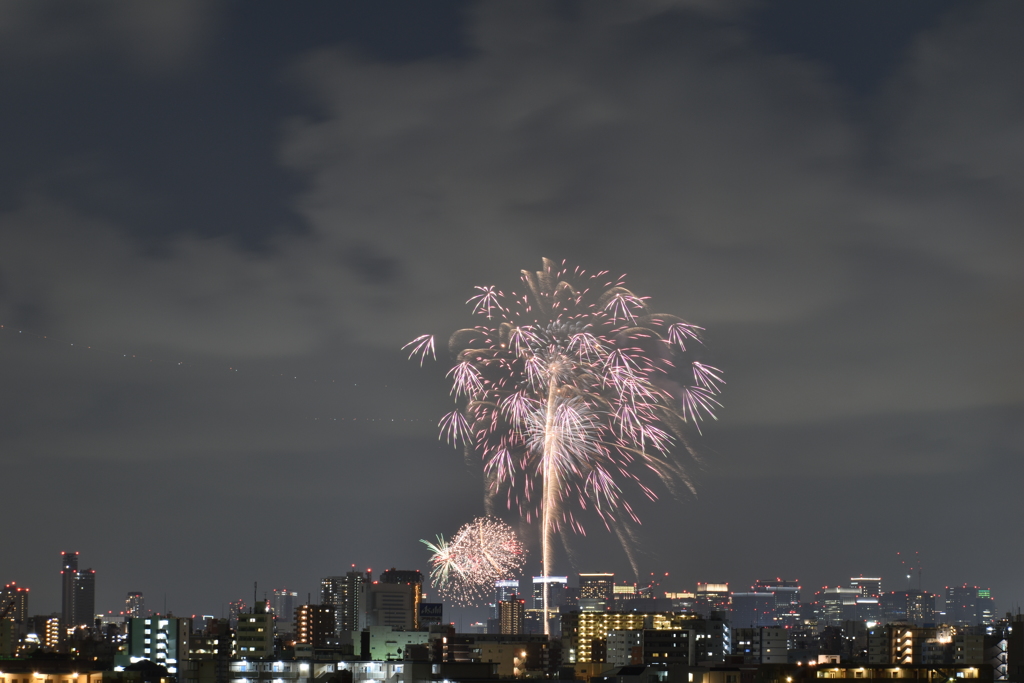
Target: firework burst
pixel 570 393
pixel 464 569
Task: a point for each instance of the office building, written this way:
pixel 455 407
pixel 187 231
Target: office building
pixel 282 605
pixel 969 605
pixel 78 592
pixel 787 599
pixel 711 597
pixel 597 592
pixel 868 587
pixel 390 604
pixel 752 610
pixel 836 605
pixel 910 607
pixel 14 602
pixel 407 577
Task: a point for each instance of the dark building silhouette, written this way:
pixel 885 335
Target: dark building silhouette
pixel 78 592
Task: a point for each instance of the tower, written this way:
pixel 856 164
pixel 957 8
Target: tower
pixel 68 572
pixel 344 594
pixel 78 592
pixel 85 597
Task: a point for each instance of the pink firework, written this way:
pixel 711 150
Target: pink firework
pixel 571 393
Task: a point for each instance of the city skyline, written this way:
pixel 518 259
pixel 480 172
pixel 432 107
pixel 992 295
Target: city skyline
pixel 334 591
pixel 222 221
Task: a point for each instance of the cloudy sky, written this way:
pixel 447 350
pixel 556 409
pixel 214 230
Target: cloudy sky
pixel 221 221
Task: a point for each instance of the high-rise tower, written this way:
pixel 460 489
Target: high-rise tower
pixel 85 597
pixel 78 592
pixel 68 572
pixel 344 594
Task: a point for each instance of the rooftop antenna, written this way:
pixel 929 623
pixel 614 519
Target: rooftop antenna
pixel 254 597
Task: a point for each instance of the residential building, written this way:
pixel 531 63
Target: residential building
pixel 162 639
pixel 135 606
pixel 78 592
pixel 511 615
pixel 14 602
pixel 254 633
pixel 345 593
pixel 314 625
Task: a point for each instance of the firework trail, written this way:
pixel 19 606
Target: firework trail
pixel 484 551
pixel 569 393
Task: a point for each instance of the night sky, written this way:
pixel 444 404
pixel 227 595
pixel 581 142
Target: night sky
pixel 220 222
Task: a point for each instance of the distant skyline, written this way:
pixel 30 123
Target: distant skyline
pixel 665 582
pixel 220 222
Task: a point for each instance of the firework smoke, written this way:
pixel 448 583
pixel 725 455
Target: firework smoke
pixel 569 393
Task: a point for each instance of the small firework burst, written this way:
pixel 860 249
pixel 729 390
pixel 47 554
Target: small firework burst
pixel 464 569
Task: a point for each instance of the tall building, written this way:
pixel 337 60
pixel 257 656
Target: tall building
pixel 969 605
pixel 711 597
pixel 135 606
pixel 85 597
pixel 511 614
pixel 14 602
pixel 504 589
pixel 910 606
pixel 836 605
pixel 555 589
pixel 597 592
pixel 345 593
pixel 78 592
pixel 390 604
pixel 314 625
pixel 868 587
pixel 407 577
pixel 68 572
pixel 752 610
pixel 282 604
pixel 787 599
